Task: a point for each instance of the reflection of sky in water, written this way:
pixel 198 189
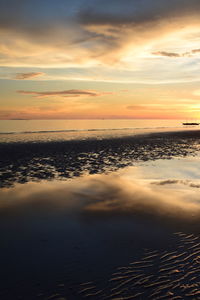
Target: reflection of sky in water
pixel 167 184
pixel 83 229
pixel 178 175
pixel 177 168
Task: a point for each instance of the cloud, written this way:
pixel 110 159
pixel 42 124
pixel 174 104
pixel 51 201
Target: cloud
pixel 108 40
pixel 96 31
pixel 22 76
pixel 153 107
pixel 136 12
pixel 127 25
pixel 136 107
pixel 67 93
pixel 171 54
pixel 168 54
pixel 195 51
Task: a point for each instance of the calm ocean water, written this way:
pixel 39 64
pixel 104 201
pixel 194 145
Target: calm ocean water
pixel 49 130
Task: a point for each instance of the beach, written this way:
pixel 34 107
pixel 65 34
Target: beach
pixel 109 218
pixel 99 150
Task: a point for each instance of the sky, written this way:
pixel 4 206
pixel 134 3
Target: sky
pixel 87 59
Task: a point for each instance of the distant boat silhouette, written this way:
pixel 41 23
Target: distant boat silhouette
pixel 190 123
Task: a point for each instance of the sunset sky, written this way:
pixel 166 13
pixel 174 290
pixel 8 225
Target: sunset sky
pixel 99 59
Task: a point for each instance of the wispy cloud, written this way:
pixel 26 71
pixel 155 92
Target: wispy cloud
pixel 174 54
pixel 152 107
pixel 22 76
pixel 66 93
pixel 168 54
pixel 136 107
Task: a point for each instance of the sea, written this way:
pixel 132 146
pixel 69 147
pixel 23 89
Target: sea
pixel 55 130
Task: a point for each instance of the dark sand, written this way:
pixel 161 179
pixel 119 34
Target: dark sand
pixel 86 238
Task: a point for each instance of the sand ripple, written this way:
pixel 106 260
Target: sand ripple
pixel 157 275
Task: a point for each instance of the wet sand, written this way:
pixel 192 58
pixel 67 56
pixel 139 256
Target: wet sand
pixel 125 233
pixel 157 275
pixel 24 162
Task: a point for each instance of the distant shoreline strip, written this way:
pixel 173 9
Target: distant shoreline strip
pixel 84 130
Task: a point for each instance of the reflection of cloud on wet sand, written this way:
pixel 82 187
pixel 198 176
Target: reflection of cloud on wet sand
pixel 103 194
pixel 177 181
pixel 127 197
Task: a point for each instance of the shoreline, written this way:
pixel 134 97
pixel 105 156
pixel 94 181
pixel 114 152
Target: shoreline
pixel 86 134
